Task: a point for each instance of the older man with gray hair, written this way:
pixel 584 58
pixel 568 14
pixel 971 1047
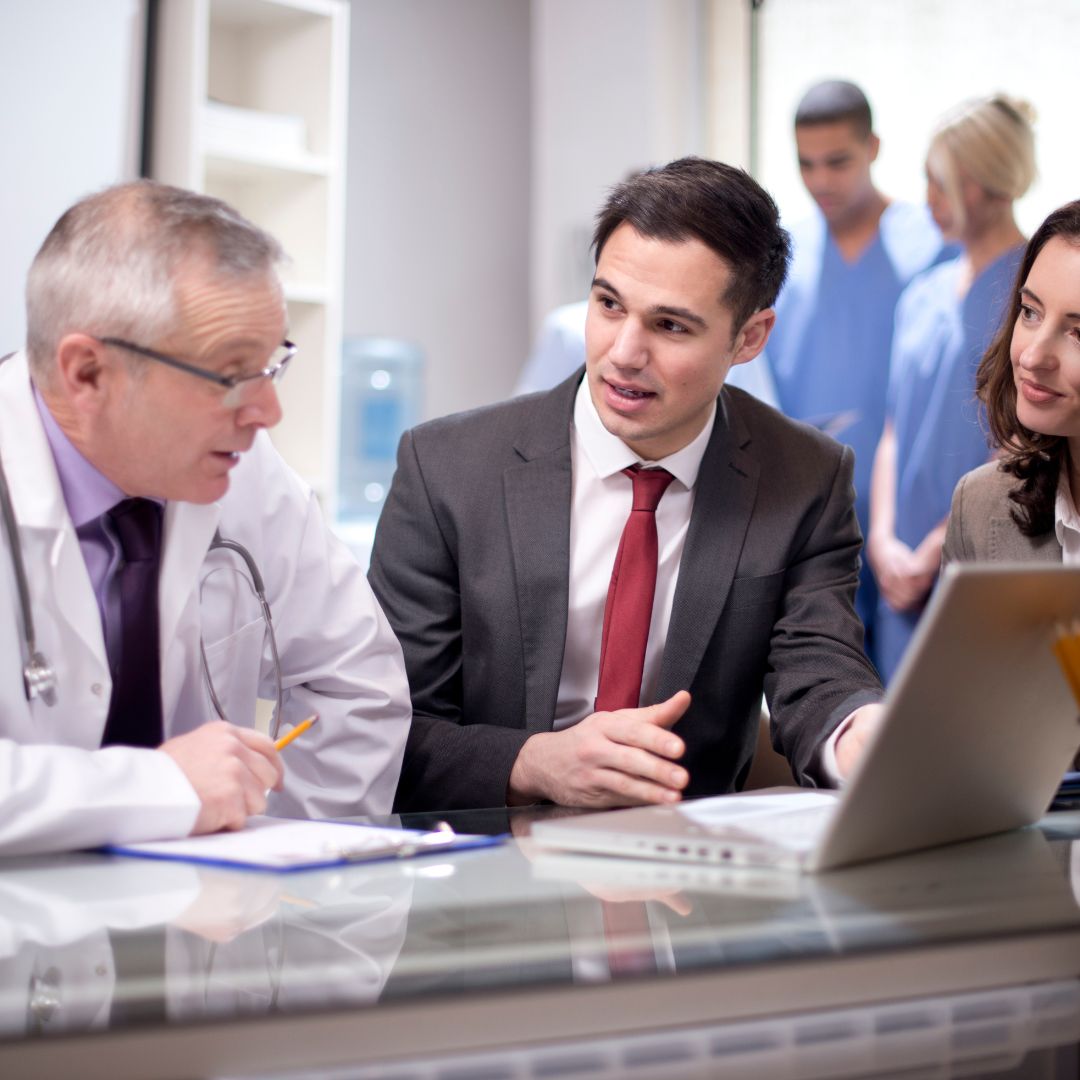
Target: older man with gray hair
pixel 163 568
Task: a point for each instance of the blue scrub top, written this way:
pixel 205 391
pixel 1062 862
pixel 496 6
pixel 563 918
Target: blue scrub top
pixel 829 352
pixel 940 428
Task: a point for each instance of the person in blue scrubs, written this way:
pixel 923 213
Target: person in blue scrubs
pixel 829 352
pixel 981 158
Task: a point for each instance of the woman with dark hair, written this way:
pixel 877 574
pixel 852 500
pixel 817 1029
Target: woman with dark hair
pixel 1022 506
pixel 980 160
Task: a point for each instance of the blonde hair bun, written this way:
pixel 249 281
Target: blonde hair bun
pixel 989 139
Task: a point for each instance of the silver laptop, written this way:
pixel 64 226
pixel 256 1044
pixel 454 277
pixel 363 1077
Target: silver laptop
pixel 980 725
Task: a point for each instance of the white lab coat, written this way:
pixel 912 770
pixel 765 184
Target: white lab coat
pixel 58 789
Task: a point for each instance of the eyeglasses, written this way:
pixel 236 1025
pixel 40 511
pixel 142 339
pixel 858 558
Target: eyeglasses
pixel 239 389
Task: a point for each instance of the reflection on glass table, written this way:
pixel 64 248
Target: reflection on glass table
pixel 165 969
pixel 526 915
pixel 90 942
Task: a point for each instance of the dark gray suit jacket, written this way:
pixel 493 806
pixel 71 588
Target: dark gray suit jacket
pixel 471 566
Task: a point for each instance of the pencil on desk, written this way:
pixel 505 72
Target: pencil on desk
pixel 1067 651
pixel 296 732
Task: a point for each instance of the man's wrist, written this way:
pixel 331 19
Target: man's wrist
pixel 523 786
pixel 829 764
pixel 854 735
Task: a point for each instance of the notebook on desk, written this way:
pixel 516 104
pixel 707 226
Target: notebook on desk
pixel 980 725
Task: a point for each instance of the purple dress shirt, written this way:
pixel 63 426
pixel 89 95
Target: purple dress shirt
pixel 89 495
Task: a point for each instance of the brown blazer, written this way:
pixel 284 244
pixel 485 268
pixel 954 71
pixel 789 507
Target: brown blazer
pixel 981 528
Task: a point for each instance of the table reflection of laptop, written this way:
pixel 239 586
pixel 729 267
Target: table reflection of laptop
pixel 979 728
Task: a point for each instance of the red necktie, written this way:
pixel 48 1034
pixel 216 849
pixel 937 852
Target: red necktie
pixel 628 610
pixel 628 937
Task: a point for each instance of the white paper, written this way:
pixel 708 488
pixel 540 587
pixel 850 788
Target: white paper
pixel 732 809
pixel 282 844
pixel 794 822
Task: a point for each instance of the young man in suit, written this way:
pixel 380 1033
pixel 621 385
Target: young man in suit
pixel 535 675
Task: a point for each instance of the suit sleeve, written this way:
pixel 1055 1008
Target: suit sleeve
pixel 818 672
pixel 449 763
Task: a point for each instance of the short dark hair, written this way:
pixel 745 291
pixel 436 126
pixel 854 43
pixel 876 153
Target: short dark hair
pixel 1033 458
pixel 835 101
pixel 723 207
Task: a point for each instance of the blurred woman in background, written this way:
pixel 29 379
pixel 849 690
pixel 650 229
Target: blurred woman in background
pixel 981 159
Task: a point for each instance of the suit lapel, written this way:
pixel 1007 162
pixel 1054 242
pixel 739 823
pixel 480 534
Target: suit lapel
pixel 537 495
pixel 723 501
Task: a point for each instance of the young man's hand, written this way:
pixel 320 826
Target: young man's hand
pixel 623 758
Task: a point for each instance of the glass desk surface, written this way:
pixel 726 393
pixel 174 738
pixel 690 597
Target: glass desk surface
pixel 126 967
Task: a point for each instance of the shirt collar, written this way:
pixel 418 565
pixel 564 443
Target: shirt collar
pixel 1066 519
pixel 608 454
pixel 88 493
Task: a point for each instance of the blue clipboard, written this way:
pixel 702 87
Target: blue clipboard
pixel 282 845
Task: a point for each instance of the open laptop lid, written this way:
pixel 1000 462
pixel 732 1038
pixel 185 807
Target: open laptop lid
pixel 981 723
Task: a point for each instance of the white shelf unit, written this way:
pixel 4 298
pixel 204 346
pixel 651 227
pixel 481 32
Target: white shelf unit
pixel 287 62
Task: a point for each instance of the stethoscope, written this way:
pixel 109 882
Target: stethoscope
pixel 39 676
pixel 221 543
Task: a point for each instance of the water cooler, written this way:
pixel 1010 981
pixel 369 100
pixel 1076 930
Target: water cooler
pixel 381 385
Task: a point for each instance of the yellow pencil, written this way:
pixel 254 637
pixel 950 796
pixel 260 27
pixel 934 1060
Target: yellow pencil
pixel 1067 651
pixel 295 733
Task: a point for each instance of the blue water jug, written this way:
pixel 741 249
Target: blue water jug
pixel 381 389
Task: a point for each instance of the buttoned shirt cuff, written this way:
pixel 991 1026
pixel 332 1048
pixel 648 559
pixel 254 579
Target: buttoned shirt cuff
pixel 829 765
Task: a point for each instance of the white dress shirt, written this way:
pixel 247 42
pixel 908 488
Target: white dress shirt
pixel 601 500
pixel 600 504
pixel 1067 522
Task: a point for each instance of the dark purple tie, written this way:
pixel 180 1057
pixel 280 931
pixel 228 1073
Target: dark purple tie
pixel 135 707
pixel 628 610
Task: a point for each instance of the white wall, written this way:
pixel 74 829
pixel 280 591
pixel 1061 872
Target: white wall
pixel 914 60
pixel 483 137
pixel 484 134
pixel 71 84
pixel 617 85
pixel 438 189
